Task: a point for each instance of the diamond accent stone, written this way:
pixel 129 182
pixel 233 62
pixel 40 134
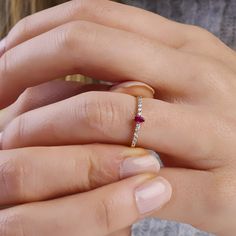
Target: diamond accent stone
pixel 139 119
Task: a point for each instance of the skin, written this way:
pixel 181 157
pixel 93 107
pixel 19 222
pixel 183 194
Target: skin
pixel 190 122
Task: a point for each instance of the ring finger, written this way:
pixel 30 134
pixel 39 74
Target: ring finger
pixel 107 117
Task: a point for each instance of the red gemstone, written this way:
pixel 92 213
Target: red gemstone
pixel 139 119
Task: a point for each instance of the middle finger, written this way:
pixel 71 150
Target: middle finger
pixel 102 12
pixel 96 51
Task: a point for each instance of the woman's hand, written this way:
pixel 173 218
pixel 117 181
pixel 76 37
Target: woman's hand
pixel 111 41
pixel 68 175
pixel 192 124
pixel 81 168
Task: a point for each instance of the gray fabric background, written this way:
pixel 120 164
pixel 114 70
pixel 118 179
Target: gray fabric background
pixel 219 17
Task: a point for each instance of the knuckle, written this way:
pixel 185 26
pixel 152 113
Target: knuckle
pixel 78 6
pixel 20 126
pixel 88 8
pixel 14 132
pixel 11 224
pixel 202 34
pixel 12 174
pixel 27 100
pixel 104 215
pixel 83 165
pixel 99 173
pixel 64 39
pixel 95 171
pixel 74 36
pixel 22 28
pixel 212 74
pixel 4 69
pixel 199 30
pixel 98 113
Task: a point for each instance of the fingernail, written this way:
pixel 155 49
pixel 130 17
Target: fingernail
pixel 130 84
pixel 139 165
pixel 152 195
pixel 2 46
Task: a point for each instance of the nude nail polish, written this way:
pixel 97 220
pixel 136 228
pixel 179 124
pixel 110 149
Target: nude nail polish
pixel 139 165
pixel 2 46
pixel 130 84
pixel 152 195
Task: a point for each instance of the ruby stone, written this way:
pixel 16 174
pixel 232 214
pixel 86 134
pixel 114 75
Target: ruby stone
pixel 139 119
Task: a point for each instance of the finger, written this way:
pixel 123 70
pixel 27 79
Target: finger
pixel 190 202
pixel 43 95
pixel 62 171
pixel 105 209
pixel 88 49
pixel 186 37
pixel 123 232
pixel 107 13
pixel 108 118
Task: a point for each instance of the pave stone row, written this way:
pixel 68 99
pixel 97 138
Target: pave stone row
pixel 138 119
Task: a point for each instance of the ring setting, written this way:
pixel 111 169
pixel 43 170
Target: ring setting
pixel 139 119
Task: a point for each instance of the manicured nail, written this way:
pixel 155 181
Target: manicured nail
pixel 130 84
pixel 139 165
pixel 152 195
pixel 2 46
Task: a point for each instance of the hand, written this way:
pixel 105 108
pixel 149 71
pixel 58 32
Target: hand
pixel 92 166
pixel 192 124
pixel 81 39
pixel 41 173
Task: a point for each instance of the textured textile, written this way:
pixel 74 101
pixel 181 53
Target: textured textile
pixel 219 17
pixel 154 227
